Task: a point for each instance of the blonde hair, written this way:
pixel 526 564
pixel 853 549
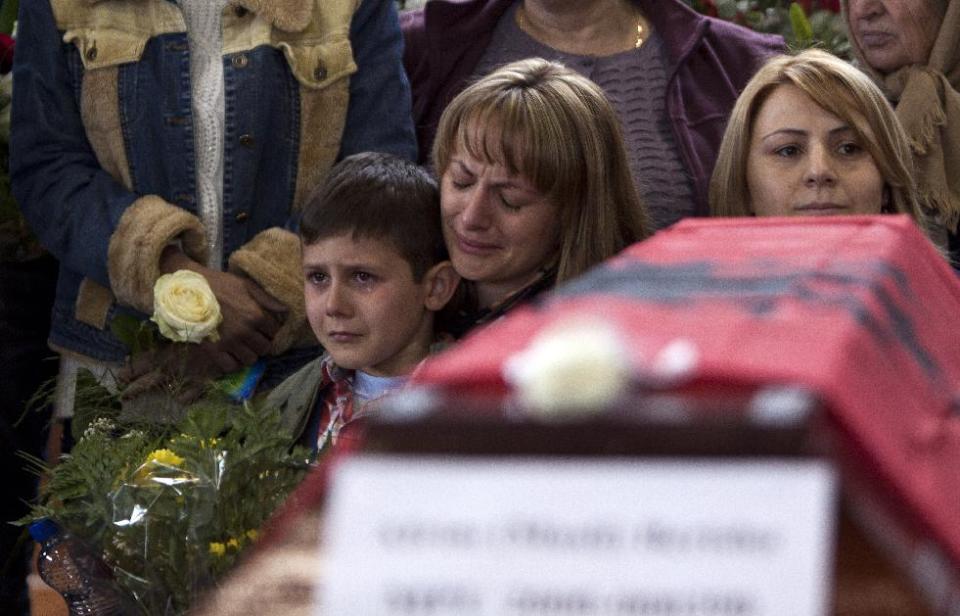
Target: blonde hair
pixel 836 86
pixel 557 130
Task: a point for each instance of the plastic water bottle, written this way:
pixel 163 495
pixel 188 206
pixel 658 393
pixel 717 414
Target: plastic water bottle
pixel 73 569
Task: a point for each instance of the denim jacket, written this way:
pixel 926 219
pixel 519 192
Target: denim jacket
pixel 102 145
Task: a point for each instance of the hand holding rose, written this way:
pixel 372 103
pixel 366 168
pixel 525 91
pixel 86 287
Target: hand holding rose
pixel 185 308
pixel 190 306
pixel 251 316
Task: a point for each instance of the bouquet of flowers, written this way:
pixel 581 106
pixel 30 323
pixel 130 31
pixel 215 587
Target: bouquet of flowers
pixel 169 507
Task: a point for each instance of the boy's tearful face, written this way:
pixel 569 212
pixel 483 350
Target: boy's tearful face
pixel 364 305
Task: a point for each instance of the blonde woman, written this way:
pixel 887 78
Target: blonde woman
pixel 812 135
pixel 535 185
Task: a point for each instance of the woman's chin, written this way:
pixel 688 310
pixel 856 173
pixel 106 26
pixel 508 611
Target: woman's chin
pixel 472 268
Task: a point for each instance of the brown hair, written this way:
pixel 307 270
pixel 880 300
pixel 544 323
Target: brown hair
pixel 556 129
pixel 846 92
pixel 381 197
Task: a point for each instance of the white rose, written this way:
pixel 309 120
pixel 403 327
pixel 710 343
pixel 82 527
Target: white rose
pixel 185 307
pixel 570 369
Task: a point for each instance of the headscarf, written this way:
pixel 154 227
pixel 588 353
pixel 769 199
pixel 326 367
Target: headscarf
pixel 927 100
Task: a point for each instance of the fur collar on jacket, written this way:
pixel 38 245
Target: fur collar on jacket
pixel 286 15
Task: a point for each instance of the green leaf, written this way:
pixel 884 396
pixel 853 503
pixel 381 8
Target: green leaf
pixel 8 15
pixel 755 20
pixel 802 30
pixel 125 327
pixel 727 9
pixel 138 336
pixel 92 401
pixel 206 419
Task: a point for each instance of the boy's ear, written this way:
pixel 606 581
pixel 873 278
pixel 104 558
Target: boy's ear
pixel 441 281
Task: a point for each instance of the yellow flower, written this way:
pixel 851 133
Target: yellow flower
pixel 217 548
pixel 164 456
pixel 252 534
pixel 185 308
pixel 157 457
pixel 233 543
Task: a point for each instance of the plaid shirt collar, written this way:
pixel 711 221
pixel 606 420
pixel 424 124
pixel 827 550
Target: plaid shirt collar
pixel 336 402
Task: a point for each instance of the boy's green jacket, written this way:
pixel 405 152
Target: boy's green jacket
pixel 296 397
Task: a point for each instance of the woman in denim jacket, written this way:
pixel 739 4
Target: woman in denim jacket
pixel 155 135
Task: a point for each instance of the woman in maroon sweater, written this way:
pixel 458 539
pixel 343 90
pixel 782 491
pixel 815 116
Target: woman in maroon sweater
pixel 672 75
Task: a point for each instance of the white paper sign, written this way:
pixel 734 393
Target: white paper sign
pixel 427 536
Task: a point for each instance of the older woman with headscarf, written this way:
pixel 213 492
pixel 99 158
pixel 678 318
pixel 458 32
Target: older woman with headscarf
pixel 911 49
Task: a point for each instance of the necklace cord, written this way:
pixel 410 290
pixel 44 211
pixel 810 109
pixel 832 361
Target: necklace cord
pixel 641 30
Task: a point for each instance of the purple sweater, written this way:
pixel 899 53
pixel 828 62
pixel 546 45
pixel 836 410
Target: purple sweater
pixel 709 62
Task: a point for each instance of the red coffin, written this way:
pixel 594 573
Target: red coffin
pixel 861 310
